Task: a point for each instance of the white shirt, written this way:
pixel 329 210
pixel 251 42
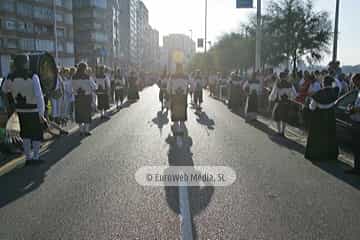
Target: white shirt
pixel 314 87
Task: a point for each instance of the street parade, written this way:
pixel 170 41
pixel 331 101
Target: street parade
pixel 244 127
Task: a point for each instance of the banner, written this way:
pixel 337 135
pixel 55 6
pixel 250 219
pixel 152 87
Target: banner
pixel 244 3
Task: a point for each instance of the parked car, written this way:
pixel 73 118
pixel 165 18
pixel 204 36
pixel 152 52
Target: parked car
pixel 343 121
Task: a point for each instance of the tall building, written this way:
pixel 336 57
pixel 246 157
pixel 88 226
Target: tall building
pixel 175 45
pixel 28 26
pixel 152 52
pixel 128 33
pixel 93 27
pixel 142 27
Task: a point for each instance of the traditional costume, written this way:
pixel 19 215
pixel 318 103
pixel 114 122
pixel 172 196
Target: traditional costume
pixel 198 90
pixel 103 91
pixel 163 94
pixel 235 92
pixel 119 88
pixel 252 87
pixel 322 143
pixel 69 98
pixel 177 89
pixel 281 94
pixel 83 90
pixel 133 90
pixel 26 93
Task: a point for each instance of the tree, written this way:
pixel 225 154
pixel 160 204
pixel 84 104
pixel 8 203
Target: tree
pixel 299 30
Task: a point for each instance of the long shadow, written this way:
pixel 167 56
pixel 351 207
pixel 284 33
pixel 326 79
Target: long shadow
pixel 161 120
pixel 203 119
pixel 199 197
pixel 335 168
pixel 22 181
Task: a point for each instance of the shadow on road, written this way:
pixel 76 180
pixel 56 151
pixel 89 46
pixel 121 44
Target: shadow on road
pixel 22 181
pixel 161 120
pixel 199 196
pixel 335 168
pixel 203 119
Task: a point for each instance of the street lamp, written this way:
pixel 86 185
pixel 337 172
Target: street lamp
pixel 205 25
pixel 336 31
pixel 191 34
pixel 258 37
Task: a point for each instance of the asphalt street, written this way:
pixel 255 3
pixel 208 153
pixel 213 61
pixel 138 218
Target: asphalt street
pixel 87 188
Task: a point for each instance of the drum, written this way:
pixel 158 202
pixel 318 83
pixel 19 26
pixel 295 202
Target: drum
pixel 44 65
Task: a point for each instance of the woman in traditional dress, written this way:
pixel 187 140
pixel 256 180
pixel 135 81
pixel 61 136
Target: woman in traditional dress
pixel 103 91
pixel 178 89
pixel 322 143
pixel 198 90
pixel 119 87
pixel 133 90
pixel 84 88
pixel 282 92
pixel 252 88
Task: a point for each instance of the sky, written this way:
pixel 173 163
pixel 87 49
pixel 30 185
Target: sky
pixel 181 16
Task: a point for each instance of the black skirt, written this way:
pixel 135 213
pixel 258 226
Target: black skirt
pixel 322 142
pixel 252 103
pixel 103 101
pixel 235 97
pixel 178 108
pixel 281 111
pixel 83 108
pixel 30 126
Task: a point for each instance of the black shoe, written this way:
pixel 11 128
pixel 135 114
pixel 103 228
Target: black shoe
pixel 87 134
pixel 354 171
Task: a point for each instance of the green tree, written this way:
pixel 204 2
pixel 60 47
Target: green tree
pixel 298 30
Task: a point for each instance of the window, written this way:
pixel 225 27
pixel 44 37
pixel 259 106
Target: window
pixel 27 44
pixel 45 45
pixel 60 47
pixel 24 9
pixel 98 3
pixel 60 32
pixel 21 26
pixel 43 13
pixel 69 47
pixel 59 3
pixel 7 6
pixel 11 43
pixel 59 17
pixel 29 27
pixel 10 24
pixel 68 18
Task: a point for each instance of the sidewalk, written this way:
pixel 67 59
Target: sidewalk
pixel 14 161
pixel 298 135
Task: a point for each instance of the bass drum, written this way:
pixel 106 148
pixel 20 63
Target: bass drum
pixel 44 65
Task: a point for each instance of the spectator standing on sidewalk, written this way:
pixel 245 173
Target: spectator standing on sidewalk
pixel 355 132
pixel 25 91
pixel 282 92
pixel 322 143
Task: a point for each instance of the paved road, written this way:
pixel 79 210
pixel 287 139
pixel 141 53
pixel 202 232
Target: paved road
pixel 87 189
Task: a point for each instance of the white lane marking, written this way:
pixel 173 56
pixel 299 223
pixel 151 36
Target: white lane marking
pixel 185 215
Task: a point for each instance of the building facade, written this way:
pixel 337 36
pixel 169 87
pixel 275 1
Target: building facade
pixel 29 26
pixel 128 33
pixel 175 45
pixel 142 26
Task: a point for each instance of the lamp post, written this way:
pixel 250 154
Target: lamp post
pixel 205 49
pixel 336 31
pixel 258 37
pixel 55 33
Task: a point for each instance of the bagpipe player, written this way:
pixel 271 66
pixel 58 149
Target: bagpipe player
pixel 25 92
